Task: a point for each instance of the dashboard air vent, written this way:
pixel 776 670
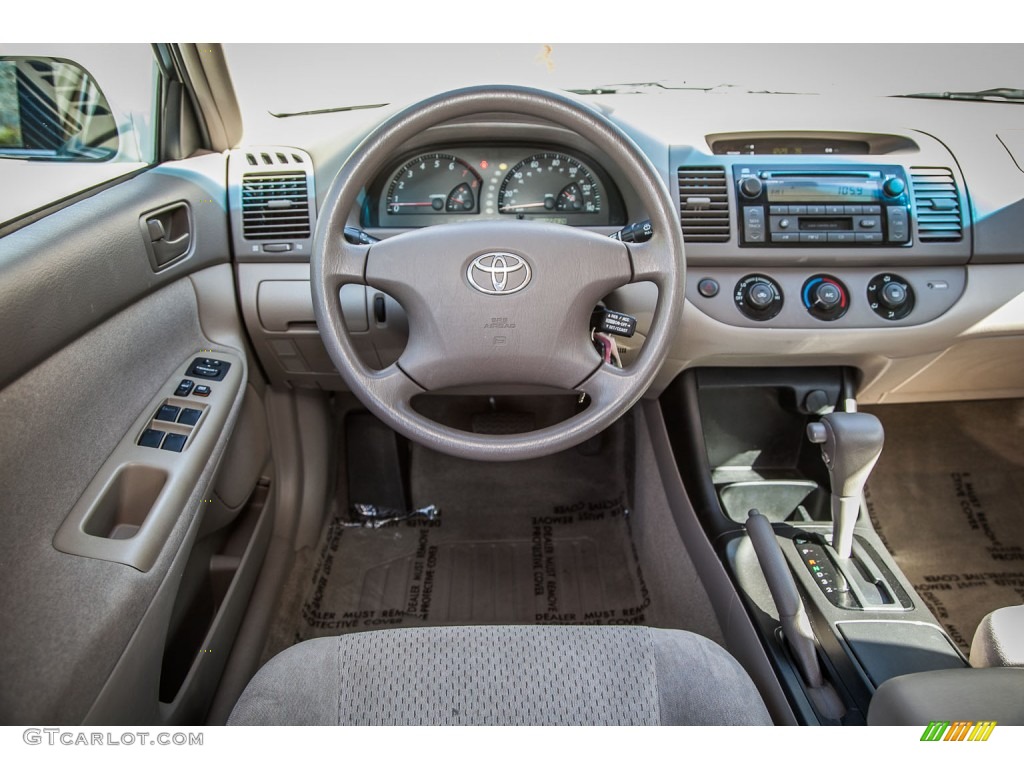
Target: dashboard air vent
pixel 938 205
pixel 275 206
pixel 704 205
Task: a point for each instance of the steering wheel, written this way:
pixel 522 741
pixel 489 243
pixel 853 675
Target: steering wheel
pixel 497 302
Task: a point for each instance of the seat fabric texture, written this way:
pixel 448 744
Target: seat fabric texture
pixel 503 675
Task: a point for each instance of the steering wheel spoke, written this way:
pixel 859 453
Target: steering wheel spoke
pixel 344 264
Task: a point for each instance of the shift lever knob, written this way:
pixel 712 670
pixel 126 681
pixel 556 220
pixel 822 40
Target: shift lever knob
pixel 850 446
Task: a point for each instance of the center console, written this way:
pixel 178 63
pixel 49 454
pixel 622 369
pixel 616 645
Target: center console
pixel 836 616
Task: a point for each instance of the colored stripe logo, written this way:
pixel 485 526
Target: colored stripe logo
pixel 961 730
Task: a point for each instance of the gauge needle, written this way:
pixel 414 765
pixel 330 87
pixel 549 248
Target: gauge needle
pixel 523 205
pixel 404 205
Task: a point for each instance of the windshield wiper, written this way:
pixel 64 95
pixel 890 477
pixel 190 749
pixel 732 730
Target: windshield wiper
pixel 1006 95
pixel 327 110
pixel 661 85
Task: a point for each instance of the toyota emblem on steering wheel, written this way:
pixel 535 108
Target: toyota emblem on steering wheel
pixel 498 274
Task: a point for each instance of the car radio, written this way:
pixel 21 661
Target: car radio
pixel 822 205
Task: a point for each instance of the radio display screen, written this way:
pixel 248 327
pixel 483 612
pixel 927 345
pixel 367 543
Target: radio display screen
pixel 822 190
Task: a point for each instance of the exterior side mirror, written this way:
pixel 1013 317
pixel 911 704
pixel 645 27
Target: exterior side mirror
pixel 53 109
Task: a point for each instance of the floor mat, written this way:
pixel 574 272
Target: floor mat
pixel 947 497
pixel 535 542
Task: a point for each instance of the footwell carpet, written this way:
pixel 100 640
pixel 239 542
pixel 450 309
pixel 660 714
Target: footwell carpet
pixel 947 497
pixel 535 542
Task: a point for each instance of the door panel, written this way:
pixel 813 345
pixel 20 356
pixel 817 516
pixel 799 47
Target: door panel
pixel 94 335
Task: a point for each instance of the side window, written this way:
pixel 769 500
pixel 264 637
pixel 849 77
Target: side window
pixel 72 117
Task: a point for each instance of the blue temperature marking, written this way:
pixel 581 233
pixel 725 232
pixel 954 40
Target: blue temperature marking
pixel 807 290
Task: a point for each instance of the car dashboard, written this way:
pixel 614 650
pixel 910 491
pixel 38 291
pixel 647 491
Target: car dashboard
pixel 875 233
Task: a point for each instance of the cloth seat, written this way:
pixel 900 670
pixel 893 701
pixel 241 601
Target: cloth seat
pixel 503 675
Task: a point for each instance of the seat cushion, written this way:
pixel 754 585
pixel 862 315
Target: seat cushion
pixel 503 675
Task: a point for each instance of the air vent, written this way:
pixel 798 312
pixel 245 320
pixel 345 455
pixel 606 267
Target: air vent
pixel 275 206
pixel 704 205
pixel 272 159
pixel 938 205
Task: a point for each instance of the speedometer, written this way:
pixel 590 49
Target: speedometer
pixel 549 182
pixel 434 183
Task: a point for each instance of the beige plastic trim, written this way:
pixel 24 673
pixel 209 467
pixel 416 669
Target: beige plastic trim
pixel 214 91
pixel 133 502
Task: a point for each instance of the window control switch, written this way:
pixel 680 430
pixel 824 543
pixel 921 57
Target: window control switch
pixel 151 438
pixel 189 416
pixel 185 388
pixel 167 413
pixel 174 443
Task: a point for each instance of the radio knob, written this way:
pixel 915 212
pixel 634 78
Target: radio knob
pixel 893 186
pixel 893 295
pixel 750 186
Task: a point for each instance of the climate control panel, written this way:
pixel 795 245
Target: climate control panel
pixel 860 297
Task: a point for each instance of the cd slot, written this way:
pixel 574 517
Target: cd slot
pixel 801 174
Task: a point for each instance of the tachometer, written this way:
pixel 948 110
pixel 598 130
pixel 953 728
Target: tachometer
pixel 434 183
pixel 549 182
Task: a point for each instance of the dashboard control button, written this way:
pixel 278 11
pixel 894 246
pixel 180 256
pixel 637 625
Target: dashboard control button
pixel 778 209
pixel 784 224
pixel 834 210
pixel 758 297
pixel 813 237
pixel 867 222
pixel 174 443
pixel 869 237
pixel 785 237
pixel 277 247
pixel 708 288
pixel 795 210
pixel 890 296
pixel 893 186
pixel 750 186
pixel 753 224
pixel 853 209
pixel 899 231
pixel 825 297
pixel 815 210
pixel 873 209
pixel 841 237
pixel 151 438
pixel 893 295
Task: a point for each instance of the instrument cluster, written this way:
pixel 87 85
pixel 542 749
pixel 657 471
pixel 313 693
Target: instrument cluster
pixel 486 182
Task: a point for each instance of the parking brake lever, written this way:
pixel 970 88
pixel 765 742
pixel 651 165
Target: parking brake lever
pixel 796 627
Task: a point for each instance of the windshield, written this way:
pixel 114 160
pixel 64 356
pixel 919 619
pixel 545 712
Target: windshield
pixel 297 78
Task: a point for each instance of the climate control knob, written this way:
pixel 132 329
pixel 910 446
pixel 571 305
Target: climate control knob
pixel 750 186
pixel 825 297
pixel 758 297
pixel 890 296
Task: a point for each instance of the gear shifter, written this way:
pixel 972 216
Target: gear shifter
pixel 850 446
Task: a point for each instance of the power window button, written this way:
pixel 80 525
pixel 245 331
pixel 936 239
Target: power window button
pixel 151 438
pixel 167 413
pixel 174 443
pixel 184 388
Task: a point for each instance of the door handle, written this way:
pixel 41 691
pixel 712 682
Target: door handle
pixel 168 233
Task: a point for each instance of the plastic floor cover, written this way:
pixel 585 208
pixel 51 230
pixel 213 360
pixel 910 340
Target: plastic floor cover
pixel 947 498
pixel 537 542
